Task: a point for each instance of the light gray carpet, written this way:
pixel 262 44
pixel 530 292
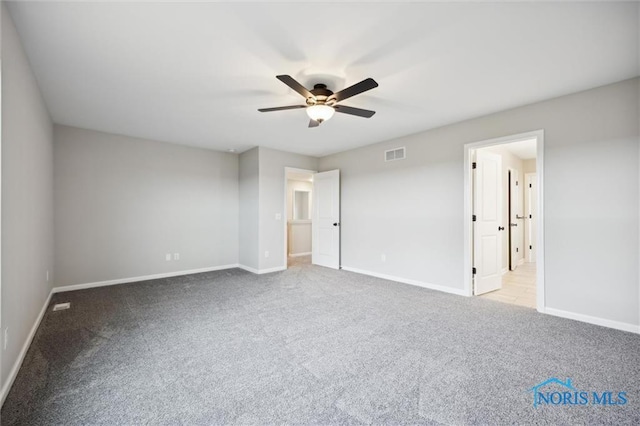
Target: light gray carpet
pixel 310 346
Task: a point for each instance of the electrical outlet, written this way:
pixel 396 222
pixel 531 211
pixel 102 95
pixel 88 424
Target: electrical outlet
pixel 6 338
pixel 176 256
pixel 167 257
pixel 383 257
pixel 266 254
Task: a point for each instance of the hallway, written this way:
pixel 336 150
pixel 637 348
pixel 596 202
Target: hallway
pixel 518 287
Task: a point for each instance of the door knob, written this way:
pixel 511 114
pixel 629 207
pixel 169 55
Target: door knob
pixel 500 228
pixel 336 224
pixel 513 224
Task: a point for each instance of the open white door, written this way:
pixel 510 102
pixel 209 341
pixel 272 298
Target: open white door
pixel 487 240
pixel 514 215
pixel 325 226
pixel 530 218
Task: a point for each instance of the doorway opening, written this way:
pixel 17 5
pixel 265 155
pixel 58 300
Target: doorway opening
pixel 312 222
pixel 298 208
pixel 503 235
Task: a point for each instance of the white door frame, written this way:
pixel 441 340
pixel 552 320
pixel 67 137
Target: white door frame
pixel 538 135
pixel 284 216
pixel 527 230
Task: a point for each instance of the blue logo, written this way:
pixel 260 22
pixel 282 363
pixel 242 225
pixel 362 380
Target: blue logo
pixel 555 392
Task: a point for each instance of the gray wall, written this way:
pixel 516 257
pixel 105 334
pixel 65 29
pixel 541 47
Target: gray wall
pixel 249 209
pixel 122 203
pixel 27 196
pixel 412 210
pixel 272 201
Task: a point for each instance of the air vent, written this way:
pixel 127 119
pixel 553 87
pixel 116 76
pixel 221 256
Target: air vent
pixel 394 154
pixel 61 306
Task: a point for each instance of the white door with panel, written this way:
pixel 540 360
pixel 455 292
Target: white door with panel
pixel 515 226
pixel 531 199
pixel 326 219
pixel 488 227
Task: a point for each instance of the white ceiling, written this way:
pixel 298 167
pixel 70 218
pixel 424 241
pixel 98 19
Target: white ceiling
pixel 195 73
pixel 525 150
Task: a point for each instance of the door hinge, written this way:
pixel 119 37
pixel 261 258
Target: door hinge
pixel 473 165
pixel 529 216
pixel 516 183
pixel 517 249
pixel 530 186
pixel 473 218
pixel 530 248
pixel 473 271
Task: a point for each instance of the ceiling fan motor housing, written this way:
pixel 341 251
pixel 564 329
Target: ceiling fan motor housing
pixel 321 94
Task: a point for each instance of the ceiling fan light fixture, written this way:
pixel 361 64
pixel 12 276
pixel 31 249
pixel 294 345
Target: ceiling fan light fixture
pixel 320 113
pixel 321 102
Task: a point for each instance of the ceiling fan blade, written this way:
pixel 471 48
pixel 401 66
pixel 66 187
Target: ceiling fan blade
pixel 356 89
pixel 366 113
pixel 289 81
pixel 281 108
pixel 313 123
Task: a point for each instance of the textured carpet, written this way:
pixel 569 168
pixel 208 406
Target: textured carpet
pixel 310 346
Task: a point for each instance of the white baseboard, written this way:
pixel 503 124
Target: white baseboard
pixel 505 270
pixel 140 278
pixel 262 271
pixel 299 254
pixel 6 386
pixel 593 320
pixel 521 261
pixel 458 291
pixel 270 270
pixel 249 269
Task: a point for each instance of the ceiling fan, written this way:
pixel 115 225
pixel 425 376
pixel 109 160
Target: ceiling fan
pixel 321 102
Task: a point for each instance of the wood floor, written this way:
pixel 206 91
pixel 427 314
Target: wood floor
pixel 518 287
